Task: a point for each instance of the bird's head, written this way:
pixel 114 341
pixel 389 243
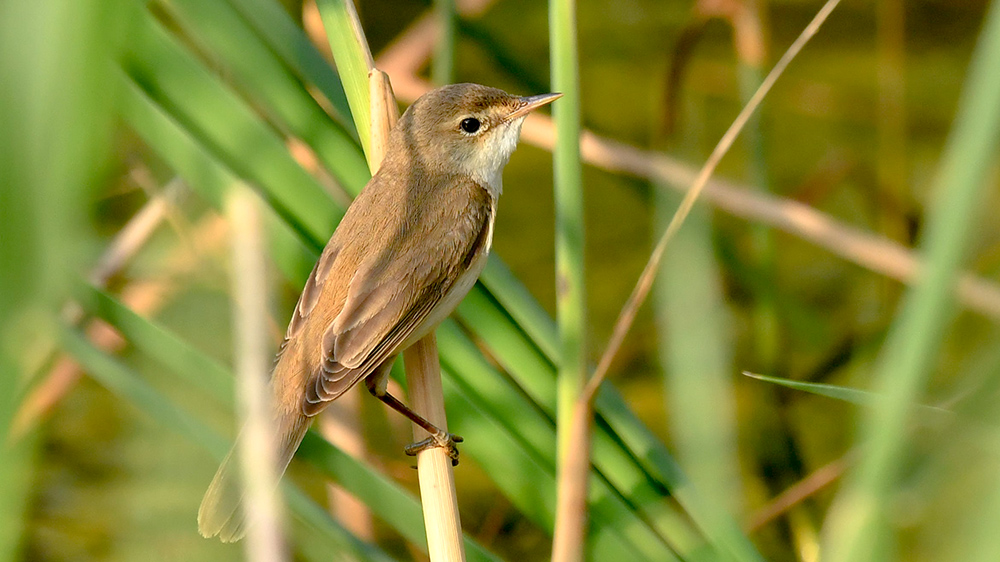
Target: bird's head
pixel 467 129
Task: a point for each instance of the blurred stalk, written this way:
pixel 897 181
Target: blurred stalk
pixel 695 351
pixel 748 38
pixel 699 361
pixel 571 303
pixel 54 125
pixel 258 448
pixel 977 540
pixel 858 527
pixel 443 63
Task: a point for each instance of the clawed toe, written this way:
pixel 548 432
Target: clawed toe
pixel 443 439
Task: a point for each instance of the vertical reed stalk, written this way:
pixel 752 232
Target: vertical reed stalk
pixel 443 63
pixel 570 293
pixel 748 39
pixel 434 469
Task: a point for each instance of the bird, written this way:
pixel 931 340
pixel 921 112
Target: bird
pixel 406 252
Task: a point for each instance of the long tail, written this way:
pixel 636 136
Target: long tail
pixel 221 512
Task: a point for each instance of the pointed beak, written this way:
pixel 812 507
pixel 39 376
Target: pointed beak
pixel 526 104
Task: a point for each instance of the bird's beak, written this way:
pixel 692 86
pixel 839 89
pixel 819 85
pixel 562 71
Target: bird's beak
pixel 528 103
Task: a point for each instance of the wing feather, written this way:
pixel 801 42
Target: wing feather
pixel 388 300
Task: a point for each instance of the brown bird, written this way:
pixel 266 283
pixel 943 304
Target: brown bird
pixel 406 252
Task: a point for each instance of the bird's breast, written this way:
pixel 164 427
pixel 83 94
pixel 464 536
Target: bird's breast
pixel 458 290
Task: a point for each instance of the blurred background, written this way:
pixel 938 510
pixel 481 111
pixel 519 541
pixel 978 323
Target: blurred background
pixel 123 123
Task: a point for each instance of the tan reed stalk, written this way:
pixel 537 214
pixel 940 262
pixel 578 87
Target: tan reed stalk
pixel 257 451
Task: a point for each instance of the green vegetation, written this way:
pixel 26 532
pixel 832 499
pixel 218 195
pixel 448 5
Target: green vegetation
pixel 107 106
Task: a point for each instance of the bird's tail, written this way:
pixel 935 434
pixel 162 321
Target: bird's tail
pixel 222 512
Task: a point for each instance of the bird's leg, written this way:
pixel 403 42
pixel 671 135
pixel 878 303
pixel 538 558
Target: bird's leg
pixel 376 385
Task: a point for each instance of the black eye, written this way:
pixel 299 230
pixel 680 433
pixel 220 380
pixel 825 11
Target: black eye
pixel 469 125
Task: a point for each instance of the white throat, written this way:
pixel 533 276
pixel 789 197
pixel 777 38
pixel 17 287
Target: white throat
pixel 488 163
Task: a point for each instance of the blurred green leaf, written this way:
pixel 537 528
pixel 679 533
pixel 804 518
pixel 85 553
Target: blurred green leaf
pixel 699 391
pixel 260 72
pixel 285 38
pixel 857 528
pixel 56 119
pixel 212 113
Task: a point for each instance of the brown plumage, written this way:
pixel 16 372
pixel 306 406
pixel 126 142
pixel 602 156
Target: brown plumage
pixel 407 250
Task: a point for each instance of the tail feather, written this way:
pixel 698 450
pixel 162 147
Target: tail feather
pixel 222 512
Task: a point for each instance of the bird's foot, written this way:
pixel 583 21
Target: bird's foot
pixel 441 439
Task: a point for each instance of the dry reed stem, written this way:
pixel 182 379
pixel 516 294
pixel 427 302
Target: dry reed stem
pixel 423 373
pixel 383 115
pixel 257 449
pixel 798 492
pixel 136 232
pixel 434 465
pixel 571 489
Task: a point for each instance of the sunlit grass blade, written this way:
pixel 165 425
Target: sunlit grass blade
pixel 350 52
pixel 121 381
pixel 493 402
pixel 284 37
pixel 260 72
pixel 853 395
pixel 513 297
pixel 316 521
pixel 536 376
pixel 857 529
pixel 206 173
pixel 195 97
pixel 162 345
pixel 530 484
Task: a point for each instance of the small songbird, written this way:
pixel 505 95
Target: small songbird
pixel 406 252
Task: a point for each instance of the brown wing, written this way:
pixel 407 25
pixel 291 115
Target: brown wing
pixel 390 296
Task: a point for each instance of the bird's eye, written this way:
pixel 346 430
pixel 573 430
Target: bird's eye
pixel 469 125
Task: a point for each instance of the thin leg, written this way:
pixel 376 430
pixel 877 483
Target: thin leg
pixel 438 438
